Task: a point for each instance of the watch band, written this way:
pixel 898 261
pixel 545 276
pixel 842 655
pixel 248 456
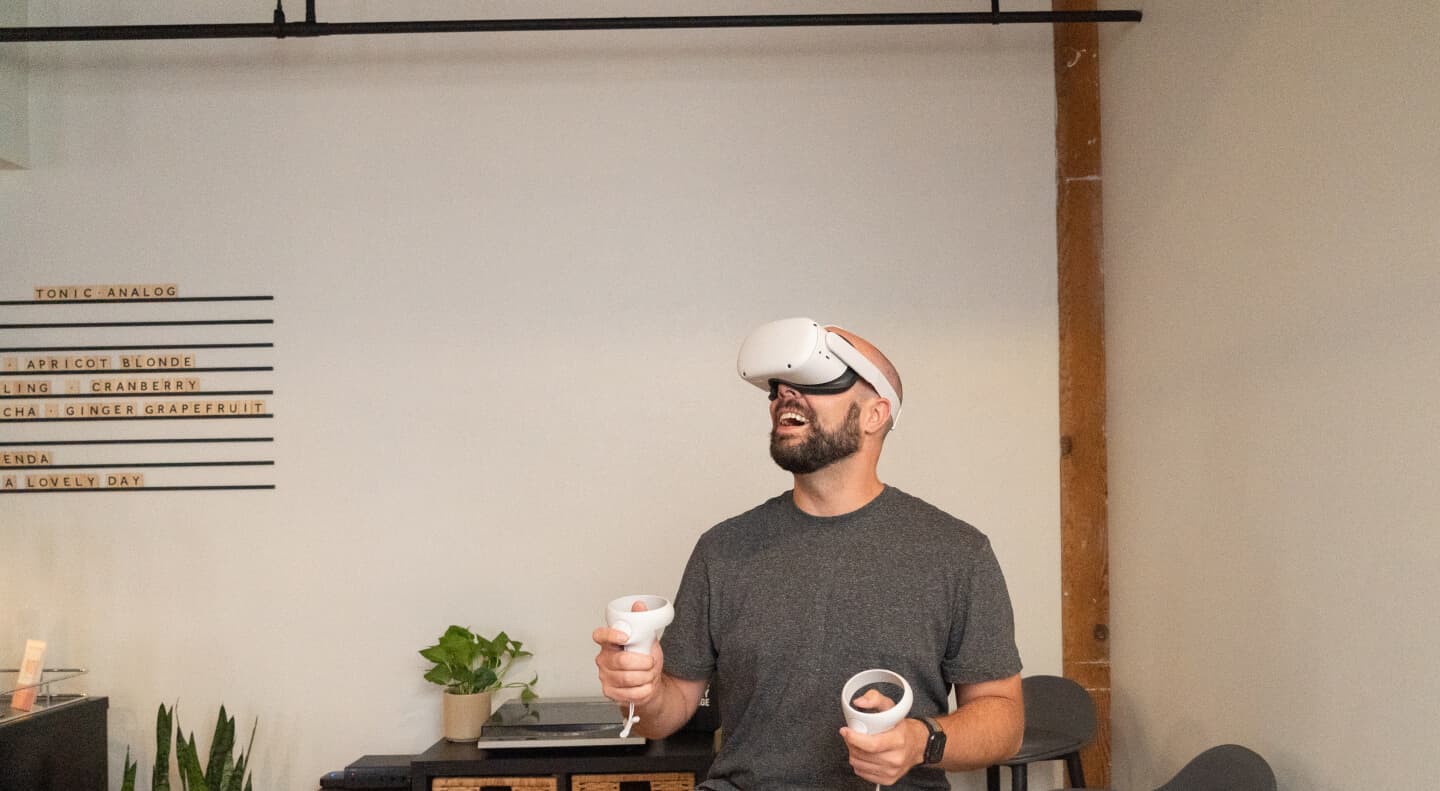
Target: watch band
pixel 935 742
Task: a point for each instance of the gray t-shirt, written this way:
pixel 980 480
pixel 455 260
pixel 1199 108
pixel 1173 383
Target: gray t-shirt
pixel 779 608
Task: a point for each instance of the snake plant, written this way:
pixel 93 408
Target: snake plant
pixel 224 771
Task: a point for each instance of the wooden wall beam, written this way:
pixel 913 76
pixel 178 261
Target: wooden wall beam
pixel 1084 563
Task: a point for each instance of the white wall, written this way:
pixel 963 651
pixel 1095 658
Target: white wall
pixel 1272 288
pixel 511 276
pixel 14 92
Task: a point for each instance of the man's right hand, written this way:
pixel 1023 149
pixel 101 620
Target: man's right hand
pixel 627 677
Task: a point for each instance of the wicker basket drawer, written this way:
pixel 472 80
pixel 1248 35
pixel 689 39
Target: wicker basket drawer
pixel 653 781
pixel 493 784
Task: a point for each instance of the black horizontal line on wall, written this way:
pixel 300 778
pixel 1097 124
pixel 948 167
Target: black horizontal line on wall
pixel 147 464
pixel 137 371
pixel 154 441
pixel 280 28
pixel 139 489
pixel 81 324
pixel 147 347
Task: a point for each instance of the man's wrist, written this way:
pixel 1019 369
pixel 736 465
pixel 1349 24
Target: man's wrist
pixel 917 736
pixel 932 751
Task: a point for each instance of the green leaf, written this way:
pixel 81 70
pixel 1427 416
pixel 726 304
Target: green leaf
pixel 187 758
pixel 180 761
pixel 458 631
pixel 457 650
pixel 131 767
pixel 458 640
pixel 160 777
pixel 494 648
pixel 180 748
pixel 484 678
pixel 195 774
pixel 226 770
pixel 235 776
pixel 435 654
pixel 438 675
pixel 242 764
pixel 222 744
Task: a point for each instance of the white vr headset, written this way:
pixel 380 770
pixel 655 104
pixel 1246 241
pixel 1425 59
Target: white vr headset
pixel 802 354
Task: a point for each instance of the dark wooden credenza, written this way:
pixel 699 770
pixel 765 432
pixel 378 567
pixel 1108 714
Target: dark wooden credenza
pixel 60 746
pixel 657 765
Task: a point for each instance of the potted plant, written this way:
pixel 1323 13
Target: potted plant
pixel 223 771
pixel 470 667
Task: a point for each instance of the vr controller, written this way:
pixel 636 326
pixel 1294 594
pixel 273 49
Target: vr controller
pixel 874 721
pixel 643 627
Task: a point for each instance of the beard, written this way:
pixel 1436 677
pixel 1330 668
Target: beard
pixel 821 449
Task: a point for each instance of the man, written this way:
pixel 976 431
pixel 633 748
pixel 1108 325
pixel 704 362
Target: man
pixel 779 606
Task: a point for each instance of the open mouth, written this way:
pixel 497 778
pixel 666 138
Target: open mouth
pixel 791 418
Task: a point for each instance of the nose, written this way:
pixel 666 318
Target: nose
pixel 778 388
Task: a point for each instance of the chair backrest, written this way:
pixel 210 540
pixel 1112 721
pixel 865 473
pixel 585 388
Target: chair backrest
pixel 1228 767
pixel 1059 704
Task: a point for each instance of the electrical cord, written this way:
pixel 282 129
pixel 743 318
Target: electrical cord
pixel 630 723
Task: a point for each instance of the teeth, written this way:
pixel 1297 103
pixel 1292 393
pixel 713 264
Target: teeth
pixel 795 417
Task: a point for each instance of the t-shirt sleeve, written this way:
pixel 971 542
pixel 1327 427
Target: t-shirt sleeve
pixel 982 636
pixel 688 644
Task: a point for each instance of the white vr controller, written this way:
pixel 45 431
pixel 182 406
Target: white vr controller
pixel 643 627
pixel 874 721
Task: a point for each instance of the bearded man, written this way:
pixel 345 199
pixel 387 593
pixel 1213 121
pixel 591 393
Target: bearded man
pixel 780 605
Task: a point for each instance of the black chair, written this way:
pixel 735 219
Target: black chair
pixel 1059 721
pixel 1228 767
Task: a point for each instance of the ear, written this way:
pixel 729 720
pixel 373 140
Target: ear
pixel 875 416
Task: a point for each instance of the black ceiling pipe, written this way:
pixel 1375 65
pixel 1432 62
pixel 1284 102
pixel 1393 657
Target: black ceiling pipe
pixel 311 28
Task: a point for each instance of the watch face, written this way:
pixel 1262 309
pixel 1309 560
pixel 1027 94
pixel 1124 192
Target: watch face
pixel 935 746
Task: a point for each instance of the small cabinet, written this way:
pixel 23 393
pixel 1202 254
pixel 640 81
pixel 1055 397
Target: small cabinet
pixel 60 746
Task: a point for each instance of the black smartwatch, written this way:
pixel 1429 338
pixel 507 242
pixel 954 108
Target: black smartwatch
pixel 935 742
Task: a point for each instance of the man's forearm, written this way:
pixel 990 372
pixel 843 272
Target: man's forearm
pixel 982 732
pixel 671 708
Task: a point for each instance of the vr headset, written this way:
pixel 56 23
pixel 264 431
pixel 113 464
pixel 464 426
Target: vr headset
pixel 802 354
